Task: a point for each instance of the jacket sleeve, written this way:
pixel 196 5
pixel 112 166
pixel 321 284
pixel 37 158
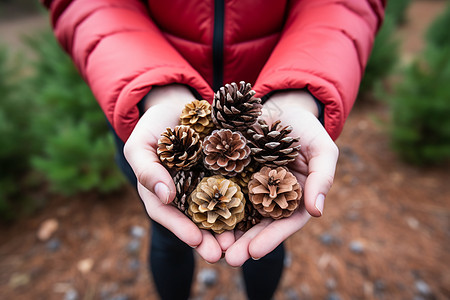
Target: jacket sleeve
pixel 324 47
pixel 120 53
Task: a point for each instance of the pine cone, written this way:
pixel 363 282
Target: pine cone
pixel 226 152
pixel 244 177
pixel 251 218
pixel 197 115
pixel 179 148
pixel 236 108
pixel 216 204
pixel 275 193
pixel 185 183
pixel 271 145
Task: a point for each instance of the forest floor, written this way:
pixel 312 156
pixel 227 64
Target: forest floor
pixel 385 233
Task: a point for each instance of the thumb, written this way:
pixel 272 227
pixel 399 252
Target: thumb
pixel 320 179
pixel 140 152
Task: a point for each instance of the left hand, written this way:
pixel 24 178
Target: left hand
pixel 314 168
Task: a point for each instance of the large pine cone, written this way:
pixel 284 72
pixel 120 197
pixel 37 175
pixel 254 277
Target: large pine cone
pixel 275 193
pixel 226 152
pixel 271 145
pixel 179 148
pixel 236 108
pixel 185 183
pixel 251 218
pixel 216 204
pixel 197 115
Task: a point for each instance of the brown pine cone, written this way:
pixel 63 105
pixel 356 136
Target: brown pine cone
pixel 244 177
pixel 216 204
pixel 235 107
pixel 251 218
pixel 271 145
pixel 179 148
pixel 185 183
pixel 226 152
pixel 197 115
pixel 275 193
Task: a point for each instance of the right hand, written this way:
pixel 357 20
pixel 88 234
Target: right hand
pixel 155 185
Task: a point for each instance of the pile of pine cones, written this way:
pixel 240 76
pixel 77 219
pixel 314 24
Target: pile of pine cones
pixel 230 165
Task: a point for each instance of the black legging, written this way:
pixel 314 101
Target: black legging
pixel 172 262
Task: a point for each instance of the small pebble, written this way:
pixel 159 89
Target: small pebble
pixel 208 277
pixel 356 247
pixel 326 239
pixel 137 231
pixel 53 245
pixel 71 294
pixel 133 246
pixel 423 288
pixel 47 229
pixel 134 264
pixel 353 215
pixel 291 294
pixel 287 260
pixel 379 285
pixel 120 297
pixel 331 283
pixel 333 296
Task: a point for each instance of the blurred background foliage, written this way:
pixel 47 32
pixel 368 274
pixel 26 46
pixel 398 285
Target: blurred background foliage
pixel 55 137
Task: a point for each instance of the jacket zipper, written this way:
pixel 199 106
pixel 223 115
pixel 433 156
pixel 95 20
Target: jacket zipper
pixel 219 20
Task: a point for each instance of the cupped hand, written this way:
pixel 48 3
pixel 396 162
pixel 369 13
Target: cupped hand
pixel 163 107
pixel 314 168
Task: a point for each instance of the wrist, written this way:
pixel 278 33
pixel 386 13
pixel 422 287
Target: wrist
pixel 289 102
pixel 176 95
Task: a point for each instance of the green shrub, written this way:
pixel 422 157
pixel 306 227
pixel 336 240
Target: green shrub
pixel 396 9
pixel 438 34
pixel 420 110
pixel 17 141
pixel 77 147
pixel 382 59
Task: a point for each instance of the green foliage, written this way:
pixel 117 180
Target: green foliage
pixel 77 147
pixel 382 59
pixel 396 9
pixel 75 160
pixel 421 108
pixel 385 51
pixel 438 34
pixel 17 141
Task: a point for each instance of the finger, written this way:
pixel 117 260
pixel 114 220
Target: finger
pixel 275 233
pixel 225 239
pixel 171 218
pixel 320 178
pixel 209 249
pixel 238 253
pixel 140 152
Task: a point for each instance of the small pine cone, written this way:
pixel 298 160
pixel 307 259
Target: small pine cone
pixel 216 204
pixel 236 108
pixel 244 177
pixel 197 115
pixel 179 148
pixel 271 145
pixel 185 183
pixel 275 193
pixel 226 152
pixel 251 218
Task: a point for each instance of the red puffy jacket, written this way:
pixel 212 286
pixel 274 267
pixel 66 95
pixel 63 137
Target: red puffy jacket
pixel 124 47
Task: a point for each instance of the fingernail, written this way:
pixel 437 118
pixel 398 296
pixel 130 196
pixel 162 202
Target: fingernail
pixel 256 258
pixel 162 191
pixel 320 201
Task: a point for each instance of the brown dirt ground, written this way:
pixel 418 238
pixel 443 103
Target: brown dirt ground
pixel 399 214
